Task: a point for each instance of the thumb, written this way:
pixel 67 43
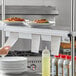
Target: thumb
pixel 7 48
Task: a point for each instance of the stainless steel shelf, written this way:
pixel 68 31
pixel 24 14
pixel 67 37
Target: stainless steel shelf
pixel 27 30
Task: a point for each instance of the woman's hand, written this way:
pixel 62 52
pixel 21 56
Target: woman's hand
pixel 4 50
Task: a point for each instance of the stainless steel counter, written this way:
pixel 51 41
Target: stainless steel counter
pixel 22 74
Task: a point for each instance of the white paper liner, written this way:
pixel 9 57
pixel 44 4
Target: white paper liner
pixel 55 45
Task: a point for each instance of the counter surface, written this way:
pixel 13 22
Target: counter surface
pixel 22 74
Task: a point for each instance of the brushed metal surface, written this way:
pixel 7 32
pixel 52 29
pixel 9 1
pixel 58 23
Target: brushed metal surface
pixel 22 74
pixel 22 10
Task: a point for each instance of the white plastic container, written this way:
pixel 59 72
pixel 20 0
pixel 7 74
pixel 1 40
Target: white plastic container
pixel 46 62
pixel 55 66
pixel 70 68
pixel 66 66
pixel 60 65
pixel 75 66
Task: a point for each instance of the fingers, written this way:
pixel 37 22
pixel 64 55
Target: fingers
pixel 7 48
pixel 4 50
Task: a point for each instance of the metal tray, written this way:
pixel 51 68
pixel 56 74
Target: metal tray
pixel 15 23
pixel 41 25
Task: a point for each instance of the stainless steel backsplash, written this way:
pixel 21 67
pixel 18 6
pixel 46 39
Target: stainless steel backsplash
pixel 22 10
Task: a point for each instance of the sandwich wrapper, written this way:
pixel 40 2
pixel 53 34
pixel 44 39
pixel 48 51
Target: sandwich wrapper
pixel 11 40
pixel 55 45
pixel 35 43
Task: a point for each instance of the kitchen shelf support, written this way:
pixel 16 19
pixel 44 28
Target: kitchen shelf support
pixel 3 18
pixel 72 36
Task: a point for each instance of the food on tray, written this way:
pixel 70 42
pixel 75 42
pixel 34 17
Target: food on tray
pixel 41 21
pixel 14 19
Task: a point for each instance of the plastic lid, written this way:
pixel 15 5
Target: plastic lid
pixel 75 57
pixel 63 56
pixel 68 57
pixel 46 51
pixel 60 55
pixel 56 56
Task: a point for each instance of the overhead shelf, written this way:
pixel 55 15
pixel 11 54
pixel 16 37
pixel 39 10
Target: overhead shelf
pixel 24 29
pixel 31 10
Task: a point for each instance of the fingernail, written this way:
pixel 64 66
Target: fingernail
pixel 7 47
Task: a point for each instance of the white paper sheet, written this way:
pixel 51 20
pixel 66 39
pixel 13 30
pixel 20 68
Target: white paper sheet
pixel 12 39
pixel 46 38
pixel 55 45
pixel 35 43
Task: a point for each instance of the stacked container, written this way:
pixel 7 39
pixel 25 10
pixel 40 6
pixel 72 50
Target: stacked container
pixel 75 65
pixel 70 67
pixel 60 65
pixel 66 66
pixel 55 65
